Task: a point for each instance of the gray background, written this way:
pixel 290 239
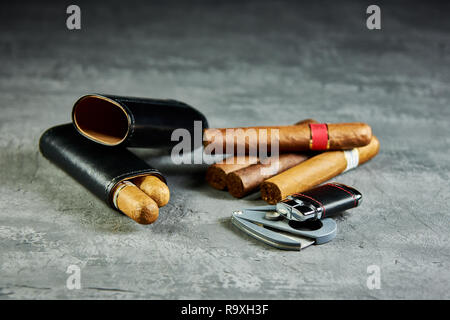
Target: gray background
pixel 240 64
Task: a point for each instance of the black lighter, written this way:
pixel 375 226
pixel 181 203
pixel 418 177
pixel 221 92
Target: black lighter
pixel 318 203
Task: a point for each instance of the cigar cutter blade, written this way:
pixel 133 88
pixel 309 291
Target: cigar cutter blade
pixel 262 224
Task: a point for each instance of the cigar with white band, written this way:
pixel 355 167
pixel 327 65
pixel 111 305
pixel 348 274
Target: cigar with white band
pixel 316 170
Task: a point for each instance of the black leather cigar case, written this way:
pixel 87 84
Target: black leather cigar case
pixel 134 122
pixel 97 167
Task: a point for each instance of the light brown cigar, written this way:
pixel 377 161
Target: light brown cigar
pixel 290 138
pixel 135 203
pixel 217 173
pixel 154 188
pixel 314 171
pixel 242 182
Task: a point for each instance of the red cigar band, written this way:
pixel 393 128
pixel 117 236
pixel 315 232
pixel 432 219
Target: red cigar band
pixel 319 136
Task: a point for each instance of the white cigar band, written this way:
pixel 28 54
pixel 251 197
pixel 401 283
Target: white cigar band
pixel 122 185
pixel 352 157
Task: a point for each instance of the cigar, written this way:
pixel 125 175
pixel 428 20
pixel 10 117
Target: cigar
pixel 316 170
pixel 313 136
pixel 216 174
pixel 133 202
pixel 243 181
pixel 154 188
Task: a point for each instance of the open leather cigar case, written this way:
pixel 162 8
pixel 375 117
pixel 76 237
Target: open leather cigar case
pixel 92 149
pixel 133 122
pixel 97 167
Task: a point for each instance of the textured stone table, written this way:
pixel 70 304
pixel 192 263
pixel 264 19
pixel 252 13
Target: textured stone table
pixel 253 64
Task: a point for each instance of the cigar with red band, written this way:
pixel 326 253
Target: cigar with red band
pixel 332 136
pixel 319 136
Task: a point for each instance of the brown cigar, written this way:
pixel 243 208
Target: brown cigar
pixel 154 188
pixel 217 173
pixel 316 170
pixel 243 181
pixel 133 202
pixel 337 136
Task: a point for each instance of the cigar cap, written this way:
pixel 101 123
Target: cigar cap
pixel 133 202
pixel 154 188
pixel 148 213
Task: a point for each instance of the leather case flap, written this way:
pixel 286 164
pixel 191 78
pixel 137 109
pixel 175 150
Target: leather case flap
pixel 97 167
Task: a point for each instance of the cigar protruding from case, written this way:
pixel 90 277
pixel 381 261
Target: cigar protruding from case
pixel 316 170
pixel 133 202
pixel 154 188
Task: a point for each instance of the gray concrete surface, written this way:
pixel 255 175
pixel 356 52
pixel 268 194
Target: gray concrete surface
pixel 240 64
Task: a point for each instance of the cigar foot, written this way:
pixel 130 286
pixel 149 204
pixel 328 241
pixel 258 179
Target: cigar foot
pixel 270 192
pixel 216 177
pixel 154 188
pixel 235 185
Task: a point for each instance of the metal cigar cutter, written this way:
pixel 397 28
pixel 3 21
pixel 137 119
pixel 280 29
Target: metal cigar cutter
pixel 300 220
